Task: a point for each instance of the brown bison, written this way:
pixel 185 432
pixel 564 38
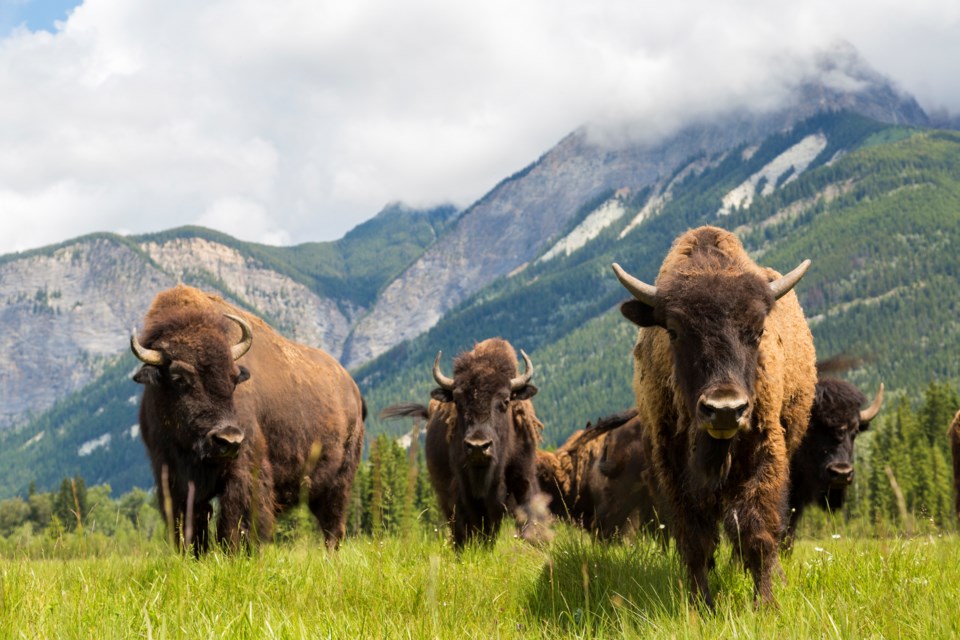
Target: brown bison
pixel 600 478
pixel 481 444
pixel 953 434
pixel 286 423
pixel 822 466
pixel 724 375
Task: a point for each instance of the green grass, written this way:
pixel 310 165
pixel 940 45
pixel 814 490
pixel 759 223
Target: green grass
pixel 416 587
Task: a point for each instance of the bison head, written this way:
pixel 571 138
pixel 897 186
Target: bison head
pixel 190 370
pixel 825 456
pixel 484 386
pixel 715 321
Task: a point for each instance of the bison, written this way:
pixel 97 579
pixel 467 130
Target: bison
pixel 953 434
pixel 724 376
pixel 285 424
pixel 481 443
pixel 822 466
pixel 600 478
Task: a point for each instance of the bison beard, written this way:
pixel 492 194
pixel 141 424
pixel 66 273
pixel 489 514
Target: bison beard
pixel 724 377
pixel 481 441
pixel 287 425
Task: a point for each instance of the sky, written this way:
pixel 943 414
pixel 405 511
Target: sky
pixel 293 121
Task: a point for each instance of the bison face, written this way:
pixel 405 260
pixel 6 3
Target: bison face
pixel 484 426
pixel 714 322
pixel 190 378
pixel 825 456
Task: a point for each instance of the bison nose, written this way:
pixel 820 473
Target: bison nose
pixel 723 414
pixel 478 450
pixel 840 472
pixel 226 441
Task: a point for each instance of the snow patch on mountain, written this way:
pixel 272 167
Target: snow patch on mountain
pixel 797 158
pixel 90 446
pixel 601 218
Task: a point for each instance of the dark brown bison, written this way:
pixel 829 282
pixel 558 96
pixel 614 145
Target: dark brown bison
pixel 286 423
pixel 481 444
pixel 600 478
pixel 953 434
pixel 822 466
pixel 724 378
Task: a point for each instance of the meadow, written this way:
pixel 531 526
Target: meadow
pixel 415 586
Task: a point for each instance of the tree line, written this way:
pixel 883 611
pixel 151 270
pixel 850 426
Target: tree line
pixel 903 485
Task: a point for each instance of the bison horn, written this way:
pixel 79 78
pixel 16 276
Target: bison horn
pixel 868 414
pixel 645 293
pixel 144 355
pixel 246 337
pixel 442 380
pixel 782 285
pixel 521 381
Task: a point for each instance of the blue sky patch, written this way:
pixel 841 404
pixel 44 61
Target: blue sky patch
pixel 35 15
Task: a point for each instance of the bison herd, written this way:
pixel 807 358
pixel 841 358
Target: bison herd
pixel 733 429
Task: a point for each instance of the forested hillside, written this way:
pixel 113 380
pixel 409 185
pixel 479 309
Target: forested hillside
pixel 877 209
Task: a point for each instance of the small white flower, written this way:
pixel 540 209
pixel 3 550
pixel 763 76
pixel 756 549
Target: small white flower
pixel 835 536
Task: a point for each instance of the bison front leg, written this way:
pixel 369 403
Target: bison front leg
pixel 754 524
pixel 697 538
pixel 247 512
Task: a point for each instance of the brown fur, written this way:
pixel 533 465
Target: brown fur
pixel 600 478
pixel 742 482
pixel 474 499
pixel 953 434
pixel 300 413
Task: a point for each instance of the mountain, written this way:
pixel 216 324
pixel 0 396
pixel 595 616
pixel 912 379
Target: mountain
pixel 872 200
pixel 528 211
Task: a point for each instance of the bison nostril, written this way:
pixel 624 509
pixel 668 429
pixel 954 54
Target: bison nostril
pixel 478 447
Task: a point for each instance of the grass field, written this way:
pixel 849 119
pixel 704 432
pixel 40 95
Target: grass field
pixel 416 587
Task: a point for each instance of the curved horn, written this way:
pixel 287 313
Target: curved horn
pixel 523 380
pixel 645 293
pixel 442 380
pixel 246 337
pixel 144 355
pixel 782 285
pixel 868 414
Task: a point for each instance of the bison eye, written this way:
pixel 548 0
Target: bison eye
pixel 672 334
pixel 180 382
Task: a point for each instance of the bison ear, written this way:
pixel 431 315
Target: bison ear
pixel 639 313
pixel 244 375
pixel 442 395
pixel 525 392
pixel 147 374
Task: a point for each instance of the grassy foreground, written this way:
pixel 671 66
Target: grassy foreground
pixel 416 587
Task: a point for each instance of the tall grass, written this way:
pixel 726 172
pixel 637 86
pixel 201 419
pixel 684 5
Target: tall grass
pixel 417 587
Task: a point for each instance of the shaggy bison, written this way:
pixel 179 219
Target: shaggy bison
pixel 600 478
pixel 481 444
pixel 953 434
pixel 822 466
pixel 724 375
pixel 286 423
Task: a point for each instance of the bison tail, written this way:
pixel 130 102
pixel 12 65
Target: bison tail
pixel 405 410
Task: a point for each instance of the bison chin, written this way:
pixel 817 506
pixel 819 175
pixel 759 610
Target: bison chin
pixel 834 498
pixel 710 460
pixel 480 479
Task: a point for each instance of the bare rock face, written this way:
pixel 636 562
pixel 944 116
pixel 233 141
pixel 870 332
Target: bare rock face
pixel 66 312
pixel 289 306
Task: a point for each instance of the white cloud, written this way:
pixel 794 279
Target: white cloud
pixel 295 120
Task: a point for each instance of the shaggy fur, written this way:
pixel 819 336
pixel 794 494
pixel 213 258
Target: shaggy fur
pixel 828 444
pixel 715 299
pixel 300 414
pixel 475 496
pixel 953 434
pixel 599 478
